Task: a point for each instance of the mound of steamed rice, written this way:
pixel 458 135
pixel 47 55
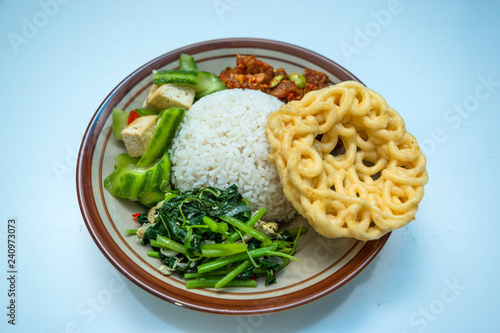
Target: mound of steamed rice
pixel 222 141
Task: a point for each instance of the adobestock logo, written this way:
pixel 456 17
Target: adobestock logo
pixel 425 315
pixel 94 305
pixel 68 166
pixel 223 6
pixel 32 25
pixel 364 36
pixel 455 116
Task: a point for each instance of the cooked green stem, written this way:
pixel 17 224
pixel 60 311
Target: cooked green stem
pixel 296 239
pixel 223 271
pixel 221 262
pixel 222 227
pixel 246 228
pixel 256 217
pixel 154 254
pixel 173 245
pixel 226 246
pixel 211 223
pixel 210 283
pixel 294 231
pixel 281 254
pixel 215 273
pixel 234 236
pixel 222 250
pixel 231 275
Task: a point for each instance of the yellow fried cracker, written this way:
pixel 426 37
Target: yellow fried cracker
pixel 346 162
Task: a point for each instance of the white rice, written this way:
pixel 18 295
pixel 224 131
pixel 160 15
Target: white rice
pixel 222 141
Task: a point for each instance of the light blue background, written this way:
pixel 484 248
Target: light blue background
pixel 429 59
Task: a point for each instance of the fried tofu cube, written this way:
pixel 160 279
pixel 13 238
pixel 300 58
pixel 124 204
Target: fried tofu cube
pixel 170 96
pixel 138 133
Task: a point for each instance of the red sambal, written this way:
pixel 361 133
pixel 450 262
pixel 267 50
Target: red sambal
pixel 252 73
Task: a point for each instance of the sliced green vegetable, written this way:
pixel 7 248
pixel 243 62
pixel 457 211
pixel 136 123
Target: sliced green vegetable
pixel 276 80
pixel 145 112
pixel 124 160
pixel 120 119
pixel 187 63
pixel 299 80
pixel 208 83
pixel 163 135
pixel 142 184
pixel 151 198
pixel 174 76
pixel 203 83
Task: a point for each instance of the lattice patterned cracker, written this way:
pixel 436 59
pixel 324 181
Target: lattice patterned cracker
pixel 346 162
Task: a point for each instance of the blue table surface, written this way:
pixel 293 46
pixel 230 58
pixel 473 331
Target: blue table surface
pixel 434 62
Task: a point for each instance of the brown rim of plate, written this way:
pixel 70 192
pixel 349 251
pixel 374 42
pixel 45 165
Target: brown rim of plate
pixel 183 297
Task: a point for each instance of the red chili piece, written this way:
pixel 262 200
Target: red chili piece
pixel 132 116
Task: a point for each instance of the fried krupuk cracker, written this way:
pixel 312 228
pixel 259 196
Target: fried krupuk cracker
pixel 346 162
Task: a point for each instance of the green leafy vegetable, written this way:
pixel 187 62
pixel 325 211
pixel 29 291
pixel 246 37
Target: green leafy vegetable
pixel 271 265
pixel 194 234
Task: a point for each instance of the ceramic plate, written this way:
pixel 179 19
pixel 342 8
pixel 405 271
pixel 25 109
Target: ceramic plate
pixel 326 264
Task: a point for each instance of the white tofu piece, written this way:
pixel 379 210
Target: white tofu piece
pixel 138 133
pixel 170 96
